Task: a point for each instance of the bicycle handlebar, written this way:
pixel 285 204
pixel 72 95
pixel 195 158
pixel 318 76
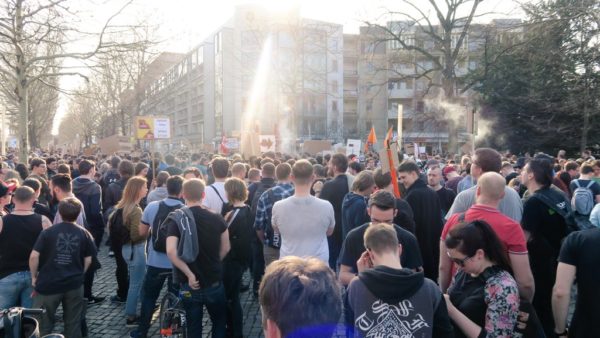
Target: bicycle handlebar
pixel 33 311
pixel 24 311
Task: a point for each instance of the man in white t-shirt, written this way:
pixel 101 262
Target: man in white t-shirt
pixel 215 193
pixel 302 220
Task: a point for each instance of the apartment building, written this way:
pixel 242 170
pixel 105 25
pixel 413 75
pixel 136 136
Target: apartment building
pixel 219 88
pixel 392 77
pixel 184 94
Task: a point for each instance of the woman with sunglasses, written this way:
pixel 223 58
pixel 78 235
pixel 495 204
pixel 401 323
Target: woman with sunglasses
pixel 483 299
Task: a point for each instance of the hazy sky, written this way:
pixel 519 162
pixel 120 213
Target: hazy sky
pixel 183 24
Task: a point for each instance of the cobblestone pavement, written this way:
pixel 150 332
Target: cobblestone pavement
pixel 108 319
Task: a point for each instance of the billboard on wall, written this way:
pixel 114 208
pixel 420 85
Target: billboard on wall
pixel 152 128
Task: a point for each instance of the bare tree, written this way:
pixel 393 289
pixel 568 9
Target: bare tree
pixel 24 25
pixel 82 117
pixel 102 106
pixel 116 74
pixel 432 37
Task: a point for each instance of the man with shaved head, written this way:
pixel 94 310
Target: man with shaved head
pixel 487 160
pixel 489 192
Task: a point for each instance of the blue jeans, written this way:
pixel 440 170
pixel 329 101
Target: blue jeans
pixel 136 264
pixel 15 290
pixel 193 303
pixel 153 284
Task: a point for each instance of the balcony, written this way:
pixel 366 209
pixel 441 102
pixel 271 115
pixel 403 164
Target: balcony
pixel 350 72
pixel 350 93
pixel 400 93
pixel 406 113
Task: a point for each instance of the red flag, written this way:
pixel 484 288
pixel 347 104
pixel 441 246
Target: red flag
pixel 223 147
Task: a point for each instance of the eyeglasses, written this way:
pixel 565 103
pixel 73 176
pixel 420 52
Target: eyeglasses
pixel 459 262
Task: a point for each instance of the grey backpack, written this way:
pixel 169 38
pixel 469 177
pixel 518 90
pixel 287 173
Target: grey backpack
pixel 583 198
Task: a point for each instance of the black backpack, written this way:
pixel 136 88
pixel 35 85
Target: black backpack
pixel 119 232
pixel 560 204
pixel 240 234
pixel 159 226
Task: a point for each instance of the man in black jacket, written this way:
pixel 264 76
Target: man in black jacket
pixel 414 305
pixel 90 194
pixel 334 192
pixel 404 216
pixel 115 189
pixel 428 218
pixel 255 190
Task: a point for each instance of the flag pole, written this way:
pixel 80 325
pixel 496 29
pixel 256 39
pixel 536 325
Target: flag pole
pixel 393 170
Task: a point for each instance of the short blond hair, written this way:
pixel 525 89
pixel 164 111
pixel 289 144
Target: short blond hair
pixel 381 238
pixel 238 168
pixel 302 171
pixel 193 189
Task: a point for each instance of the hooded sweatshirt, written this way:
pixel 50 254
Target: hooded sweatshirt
pixel 90 195
pixel 354 212
pixel 387 302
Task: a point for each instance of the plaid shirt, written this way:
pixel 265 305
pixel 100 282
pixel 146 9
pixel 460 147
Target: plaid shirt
pixel 264 211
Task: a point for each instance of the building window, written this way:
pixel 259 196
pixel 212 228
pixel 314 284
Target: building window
pixel 334 86
pixel 369 105
pixel 334 66
pixel 334 106
pixel 334 45
pixel 455 38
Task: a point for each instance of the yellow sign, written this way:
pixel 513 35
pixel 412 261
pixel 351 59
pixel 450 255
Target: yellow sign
pixel 152 128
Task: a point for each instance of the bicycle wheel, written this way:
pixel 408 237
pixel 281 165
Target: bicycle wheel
pixel 168 302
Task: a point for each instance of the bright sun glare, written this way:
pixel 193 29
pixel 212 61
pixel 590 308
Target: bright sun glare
pixel 278 6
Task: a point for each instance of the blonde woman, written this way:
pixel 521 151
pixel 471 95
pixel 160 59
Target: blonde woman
pixel 134 249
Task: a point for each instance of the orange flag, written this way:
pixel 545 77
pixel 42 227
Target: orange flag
pixel 371 139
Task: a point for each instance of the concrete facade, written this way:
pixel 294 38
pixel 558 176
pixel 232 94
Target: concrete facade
pixel 299 79
pixel 298 96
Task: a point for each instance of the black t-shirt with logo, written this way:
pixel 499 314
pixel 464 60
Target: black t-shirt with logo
pixel 62 249
pixel 354 246
pixel 207 266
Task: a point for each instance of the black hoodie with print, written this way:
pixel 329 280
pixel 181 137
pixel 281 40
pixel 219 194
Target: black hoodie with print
pixel 387 302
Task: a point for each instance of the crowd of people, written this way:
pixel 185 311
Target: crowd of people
pixel 486 245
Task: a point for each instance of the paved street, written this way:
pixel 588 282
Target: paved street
pixel 108 320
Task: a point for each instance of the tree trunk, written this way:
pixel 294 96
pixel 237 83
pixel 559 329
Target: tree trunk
pixel 21 85
pixel 586 118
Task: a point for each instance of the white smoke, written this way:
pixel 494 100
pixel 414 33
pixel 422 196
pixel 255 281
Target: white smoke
pixel 441 108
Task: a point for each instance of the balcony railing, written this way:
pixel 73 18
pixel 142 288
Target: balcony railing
pixel 350 93
pixel 401 93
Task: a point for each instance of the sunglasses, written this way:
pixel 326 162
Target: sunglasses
pixel 459 262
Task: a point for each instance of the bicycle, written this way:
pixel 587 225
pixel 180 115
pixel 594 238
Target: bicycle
pixel 172 317
pixel 16 322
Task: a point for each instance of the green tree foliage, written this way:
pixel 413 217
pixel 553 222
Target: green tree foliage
pixel 541 89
